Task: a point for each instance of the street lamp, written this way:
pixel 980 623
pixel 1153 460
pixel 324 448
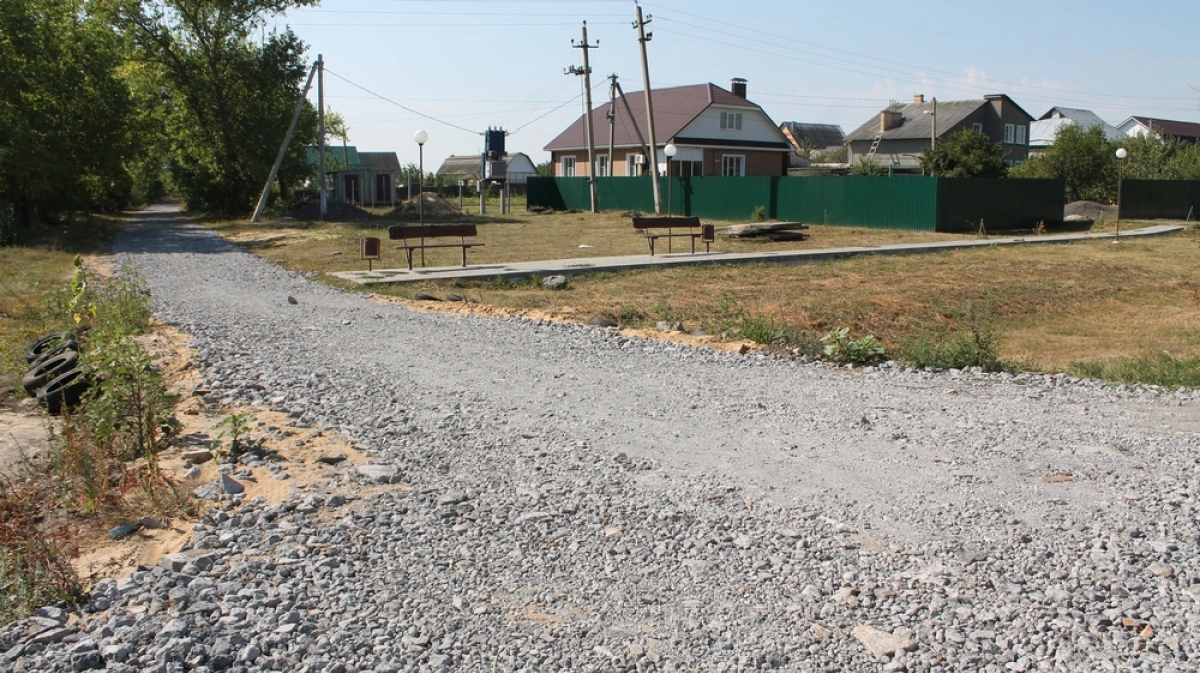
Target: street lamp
pixel 670 151
pixel 421 137
pixel 1121 154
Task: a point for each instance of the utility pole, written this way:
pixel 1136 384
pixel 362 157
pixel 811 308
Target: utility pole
pixel 321 132
pixel 652 157
pixel 632 120
pixel 586 71
pixel 287 139
pixel 612 121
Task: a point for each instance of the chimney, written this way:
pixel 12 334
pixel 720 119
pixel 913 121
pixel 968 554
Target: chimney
pixel 889 119
pixel 739 87
pixel 919 98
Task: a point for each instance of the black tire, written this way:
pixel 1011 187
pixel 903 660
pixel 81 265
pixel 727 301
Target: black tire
pixel 46 343
pixel 49 369
pixel 65 391
pixel 62 347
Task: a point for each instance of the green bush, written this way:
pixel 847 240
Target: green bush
pixel 762 328
pixel 759 214
pixel 839 347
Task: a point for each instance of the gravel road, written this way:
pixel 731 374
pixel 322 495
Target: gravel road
pixel 569 498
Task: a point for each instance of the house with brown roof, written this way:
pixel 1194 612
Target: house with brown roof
pixel 896 137
pixel 715 132
pixel 1188 132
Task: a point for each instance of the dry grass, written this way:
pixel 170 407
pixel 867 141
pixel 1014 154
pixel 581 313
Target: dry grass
pixel 1051 305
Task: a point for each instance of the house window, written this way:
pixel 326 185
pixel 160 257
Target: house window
pixel 1020 135
pixel 1010 131
pixel 633 164
pixel 731 121
pixel 602 166
pixel 977 127
pixel 688 169
pixel 733 165
pixel 568 167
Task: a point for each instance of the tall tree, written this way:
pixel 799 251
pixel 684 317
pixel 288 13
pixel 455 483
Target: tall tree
pixel 1084 159
pixel 965 154
pixel 232 97
pixel 64 111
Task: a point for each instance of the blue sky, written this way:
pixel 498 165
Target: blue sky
pixel 455 68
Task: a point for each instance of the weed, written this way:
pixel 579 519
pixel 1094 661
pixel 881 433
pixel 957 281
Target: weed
pixel 34 570
pixel 1162 369
pixel 971 345
pixel 839 347
pixel 762 328
pixel 235 428
pixel 759 214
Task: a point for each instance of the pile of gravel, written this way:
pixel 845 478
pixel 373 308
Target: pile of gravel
pixel 553 497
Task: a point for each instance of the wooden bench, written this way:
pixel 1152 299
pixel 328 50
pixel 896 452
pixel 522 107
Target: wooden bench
pixel 415 237
pixel 652 228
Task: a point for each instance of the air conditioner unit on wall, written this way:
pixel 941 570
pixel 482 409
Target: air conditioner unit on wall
pixel 639 159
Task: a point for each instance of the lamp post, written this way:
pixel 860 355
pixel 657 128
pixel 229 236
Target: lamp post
pixel 1121 154
pixel 670 151
pixel 421 137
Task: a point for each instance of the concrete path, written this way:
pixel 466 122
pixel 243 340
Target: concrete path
pixel 572 267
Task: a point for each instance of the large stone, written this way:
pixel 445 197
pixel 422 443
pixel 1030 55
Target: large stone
pixel 231 486
pixel 197 456
pixel 380 474
pixel 201 559
pixel 881 643
pixel 555 282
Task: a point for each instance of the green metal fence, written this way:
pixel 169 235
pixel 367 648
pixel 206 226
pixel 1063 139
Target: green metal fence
pixel 1153 199
pixel 901 202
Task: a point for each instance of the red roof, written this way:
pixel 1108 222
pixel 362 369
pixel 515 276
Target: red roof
pixel 674 109
pixel 1170 127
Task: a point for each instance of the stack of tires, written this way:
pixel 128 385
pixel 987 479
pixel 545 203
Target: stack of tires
pixel 54 375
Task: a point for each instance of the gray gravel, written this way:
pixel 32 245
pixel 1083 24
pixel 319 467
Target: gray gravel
pixel 570 498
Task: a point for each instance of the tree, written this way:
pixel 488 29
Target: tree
pixel 1084 159
pixel 965 154
pixel 64 112
pixel 867 167
pixel 231 97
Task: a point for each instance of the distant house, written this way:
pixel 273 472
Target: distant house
pixel 363 178
pixel 806 136
pixel 1188 132
pixel 715 132
pixel 898 135
pixel 518 168
pixel 1043 131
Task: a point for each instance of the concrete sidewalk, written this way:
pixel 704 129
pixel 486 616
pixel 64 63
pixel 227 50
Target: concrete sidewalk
pixel 572 267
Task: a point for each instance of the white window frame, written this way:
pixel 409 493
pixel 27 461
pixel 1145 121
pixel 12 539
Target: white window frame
pixel 1021 135
pixel 631 165
pixel 977 127
pixel 1010 131
pixel 731 121
pixel 568 167
pixel 739 167
pixel 602 166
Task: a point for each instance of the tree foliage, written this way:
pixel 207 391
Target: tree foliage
pixel 230 98
pixel 867 167
pixel 65 114
pixel 1084 159
pixel 965 154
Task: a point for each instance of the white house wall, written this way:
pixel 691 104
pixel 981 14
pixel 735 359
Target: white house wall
pixel 756 126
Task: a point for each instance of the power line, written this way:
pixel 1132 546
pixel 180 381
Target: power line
pixel 401 106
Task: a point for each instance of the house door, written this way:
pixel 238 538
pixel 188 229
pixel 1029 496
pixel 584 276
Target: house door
pixel 383 189
pixel 350 189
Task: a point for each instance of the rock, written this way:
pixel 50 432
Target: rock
pixel 52 613
pixel 555 282
pixel 743 542
pixel 197 456
pixel 534 516
pixel 821 631
pixel 455 297
pixel 380 474
pixel 422 296
pixel 669 326
pixel 332 458
pixel 292 300
pixel 150 523
pixel 201 559
pixel 881 643
pixel 602 322
pixel 230 486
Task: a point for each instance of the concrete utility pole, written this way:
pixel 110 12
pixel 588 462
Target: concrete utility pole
pixel 586 71
pixel 287 139
pixel 612 121
pixel 632 120
pixel 652 157
pixel 321 132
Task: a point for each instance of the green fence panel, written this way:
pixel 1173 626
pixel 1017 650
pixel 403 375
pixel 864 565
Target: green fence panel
pixel 1001 203
pixel 899 202
pixel 544 193
pixel 1155 199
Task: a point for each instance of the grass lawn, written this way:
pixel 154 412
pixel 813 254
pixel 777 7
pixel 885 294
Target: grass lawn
pixel 1045 308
